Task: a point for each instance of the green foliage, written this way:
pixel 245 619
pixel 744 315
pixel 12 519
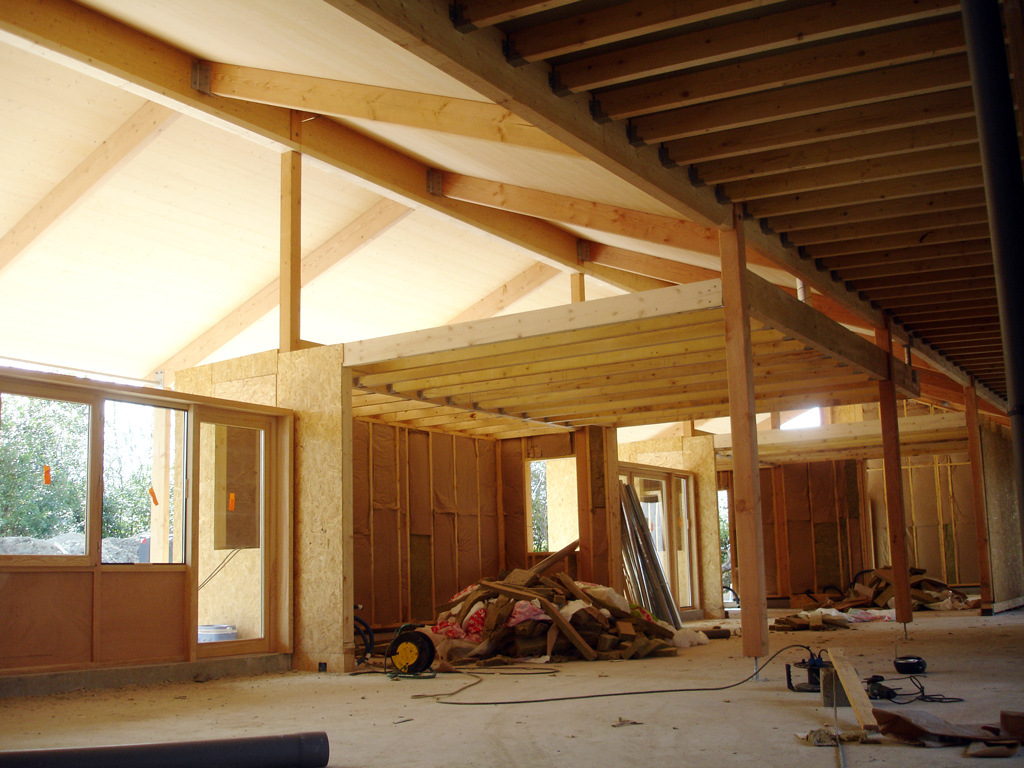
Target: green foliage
pixel 723 538
pixel 539 497
pixel 35 432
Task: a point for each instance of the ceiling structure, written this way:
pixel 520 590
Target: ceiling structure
pixel 466 162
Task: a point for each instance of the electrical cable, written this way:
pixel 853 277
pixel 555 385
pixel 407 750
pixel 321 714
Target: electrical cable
pixel 920 695
pixel 217 570
pixel 438 696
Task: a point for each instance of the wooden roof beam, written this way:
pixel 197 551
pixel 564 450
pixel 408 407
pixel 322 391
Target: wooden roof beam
pixel 367 227
pixel 924 277
pixel 860 89
pixel 792 132
pixel 895 255
pixel 915 269
pixel 470 15
pixel 116 151
pixel 743 38
pixel 519 287
pixel 473 119
pixel 652 266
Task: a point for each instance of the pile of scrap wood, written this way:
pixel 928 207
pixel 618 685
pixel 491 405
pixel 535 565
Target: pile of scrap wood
pixel 816 620
pixel 528 614
pixel 925 593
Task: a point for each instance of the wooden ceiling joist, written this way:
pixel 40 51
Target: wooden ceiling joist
pixel 475 14
pixel 987 294
pixel 742 38
pixel 922 222
pixel 919 253
pixel 130 138
pixel 812 98
pixel 857 275
pixel 819 62
pixel 924 277
pixel 795 132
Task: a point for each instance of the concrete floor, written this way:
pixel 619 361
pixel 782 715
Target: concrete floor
pixel 372 721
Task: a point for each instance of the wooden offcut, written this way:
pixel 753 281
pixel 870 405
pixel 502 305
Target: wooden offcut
pixel 854 690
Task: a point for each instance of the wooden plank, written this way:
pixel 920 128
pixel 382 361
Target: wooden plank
pixel 348 240
pixel 460 117
pixel 583 213
pixel 746 498
pixel 894 486
pixel 854 689
pixel 125 143
pixel 519 287
pixel 948 265
pixel 925 277
pixel 617 23
pixel 855 90
pixel 743 38
pixel 796 132
pixel 922 222
pixel 819 62
pixel 564 626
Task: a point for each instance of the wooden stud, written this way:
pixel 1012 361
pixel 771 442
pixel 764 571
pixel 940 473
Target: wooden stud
pixel 290 282
pixel 893 469
pixel 577 288
pixel 742 409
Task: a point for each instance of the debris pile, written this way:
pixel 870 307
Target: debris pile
pixel 531 615
pixel 925 593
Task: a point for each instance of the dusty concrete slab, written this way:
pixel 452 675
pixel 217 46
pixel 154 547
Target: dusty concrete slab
pixel 372 721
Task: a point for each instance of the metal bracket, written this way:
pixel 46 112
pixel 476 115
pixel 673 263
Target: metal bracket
pixel 201 76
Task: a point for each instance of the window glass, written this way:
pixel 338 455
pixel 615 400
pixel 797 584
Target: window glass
pixel 143 483
pixel 554 511
pixel 44 457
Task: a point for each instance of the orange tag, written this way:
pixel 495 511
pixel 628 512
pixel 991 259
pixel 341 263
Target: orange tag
pixel 152 495
pixel 46 474
pixel 231 502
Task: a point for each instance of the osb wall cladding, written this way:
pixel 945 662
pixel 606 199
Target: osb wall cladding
pixel 938 508
pixel 695 455
pixel 426 521
pixel 1004 518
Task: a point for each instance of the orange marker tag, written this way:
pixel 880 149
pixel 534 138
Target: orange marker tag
pixel 46 474
pixel 231 502
pixel 152 495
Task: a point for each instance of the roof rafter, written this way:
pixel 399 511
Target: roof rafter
pixel 519 287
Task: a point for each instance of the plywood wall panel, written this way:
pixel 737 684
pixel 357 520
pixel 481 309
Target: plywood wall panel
pixel 1004 518
pixel 142 616
pixel 45 619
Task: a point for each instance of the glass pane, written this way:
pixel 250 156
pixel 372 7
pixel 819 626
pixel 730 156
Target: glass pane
pixel 44 471
pixel 143 483
pixel 652 502
pixel 553 504
pixel 684 590
pixel 230 558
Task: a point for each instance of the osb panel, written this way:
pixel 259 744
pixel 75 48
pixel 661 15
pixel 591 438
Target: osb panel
pixel 261 390
pixel 697 456
pixel 660 452
pixel 446 573
pixel 822 481
pixel 549 446
pixel 45 619
pixel 195 381
pixel 361 471
pixel 442 452
pixel 385 466
pixel 248 367
pixel 468 537
pixel 387 601
pixel 801 556
pixel 142 616
pixel 467 492
pixel 513 502
pixel 419 484
pixel 487 471
pixel 798 505
pixel 1004 518
pixel 310 383
pixel 563 503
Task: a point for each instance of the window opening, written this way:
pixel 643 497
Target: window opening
pixel 44 475
pixel 725 548
pixel 554 509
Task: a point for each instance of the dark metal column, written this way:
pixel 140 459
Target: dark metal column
pixel 1004 192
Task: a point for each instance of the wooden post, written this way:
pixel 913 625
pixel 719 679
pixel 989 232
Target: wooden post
pixel 978 488
pixel 291 246
pixel 600 519
pixel 746 497
pixel 579 292
pixel 160 509
pixel 893 470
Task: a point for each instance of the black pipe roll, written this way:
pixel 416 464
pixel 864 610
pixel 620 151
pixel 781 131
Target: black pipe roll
pixel 297 750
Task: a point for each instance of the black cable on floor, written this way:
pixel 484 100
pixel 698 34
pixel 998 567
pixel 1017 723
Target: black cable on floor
pixel 438 696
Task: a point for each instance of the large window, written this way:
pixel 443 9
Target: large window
pixel 44 475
